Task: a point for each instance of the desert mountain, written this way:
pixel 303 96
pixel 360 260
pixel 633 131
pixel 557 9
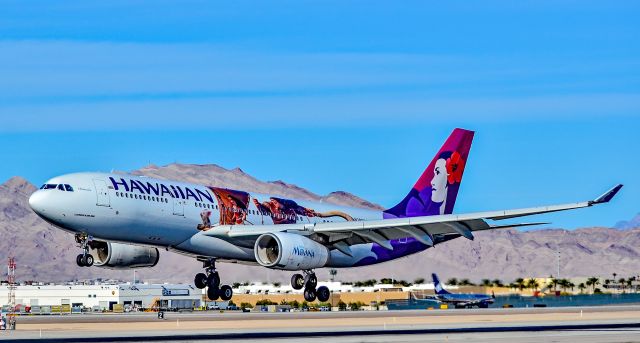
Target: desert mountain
pixel 629 224
pixel 47 254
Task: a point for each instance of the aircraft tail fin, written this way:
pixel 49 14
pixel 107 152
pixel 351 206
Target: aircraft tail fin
pixel 438 285
pixel 436 190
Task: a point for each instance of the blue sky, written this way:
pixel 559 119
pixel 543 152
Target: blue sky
pixel 332 95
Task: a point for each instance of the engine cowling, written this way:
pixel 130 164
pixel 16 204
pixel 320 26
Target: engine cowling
pixel 288 251
pixel 123 256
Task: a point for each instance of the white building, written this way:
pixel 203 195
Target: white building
pixel 104 296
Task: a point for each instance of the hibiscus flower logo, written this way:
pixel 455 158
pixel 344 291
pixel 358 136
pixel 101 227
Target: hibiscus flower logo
pixel 455 167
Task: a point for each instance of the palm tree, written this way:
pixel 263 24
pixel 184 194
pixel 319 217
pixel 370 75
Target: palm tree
pixel 581 287
pixel 630 282
pixel 453 281
pixel 593 282
pixel 553 282
pixel 497 283
pixel 333 272
pixel 564 284
pixel 614 276
pixel 486 282
pixel 533 284
pixel 465 282
pixel 520 282
pixel 623 283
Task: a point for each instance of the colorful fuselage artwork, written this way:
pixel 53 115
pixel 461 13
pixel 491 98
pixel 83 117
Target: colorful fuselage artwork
pixel 234 208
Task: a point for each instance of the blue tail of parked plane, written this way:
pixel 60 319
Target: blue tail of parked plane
pixel 438 286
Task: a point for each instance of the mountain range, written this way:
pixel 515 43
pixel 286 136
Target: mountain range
pixel 46 254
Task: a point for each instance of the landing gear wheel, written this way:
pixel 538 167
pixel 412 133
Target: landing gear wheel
pixel 310 281
pixel 85 259
pixel 226 292
pixel 213 280
pixel 200 280
pixel 88 260
pixel 79 261
pixel 310 295
pixel 297 281
pixel 213 293
pixel 323 293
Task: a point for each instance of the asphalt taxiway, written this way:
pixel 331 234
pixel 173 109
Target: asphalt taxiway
pixel 586 324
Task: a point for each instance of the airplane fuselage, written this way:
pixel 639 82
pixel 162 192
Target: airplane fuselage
pixel 170 214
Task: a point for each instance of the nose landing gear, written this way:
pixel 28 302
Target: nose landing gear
pixel 309 282
pixel 85 259
pixel 211 280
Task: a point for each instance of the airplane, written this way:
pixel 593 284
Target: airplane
pixel 123 220
pixel 460 300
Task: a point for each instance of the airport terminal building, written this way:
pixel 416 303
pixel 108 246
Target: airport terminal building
pixel 98 297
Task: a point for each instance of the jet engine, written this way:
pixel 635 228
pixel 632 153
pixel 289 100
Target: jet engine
pixel 288 251
pixel 123 256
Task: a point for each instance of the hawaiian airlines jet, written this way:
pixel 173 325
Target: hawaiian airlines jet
pixel 120 221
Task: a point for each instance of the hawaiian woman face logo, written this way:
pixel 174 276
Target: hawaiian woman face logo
pixel 439 181
pixel 447 171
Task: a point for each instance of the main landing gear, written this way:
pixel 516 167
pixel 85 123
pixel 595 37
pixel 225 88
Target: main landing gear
pixel 85 259
pixel 212 280
pixel 309 281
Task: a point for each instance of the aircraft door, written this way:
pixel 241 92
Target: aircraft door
pixel 178 207
pixel 102 193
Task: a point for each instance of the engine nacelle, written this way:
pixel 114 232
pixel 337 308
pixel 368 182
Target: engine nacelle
pixel 123 256
pixel 288 251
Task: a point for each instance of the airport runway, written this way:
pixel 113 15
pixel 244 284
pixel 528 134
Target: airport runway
pixel 586 324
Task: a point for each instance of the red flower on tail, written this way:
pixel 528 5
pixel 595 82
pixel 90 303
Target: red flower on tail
pixel 455 167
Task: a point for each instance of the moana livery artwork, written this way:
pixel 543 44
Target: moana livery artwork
pixel 234 210
pixel 232 205
pixel 285 211
pixel 436 191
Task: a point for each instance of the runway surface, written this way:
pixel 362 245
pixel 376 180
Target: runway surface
pixel 586 324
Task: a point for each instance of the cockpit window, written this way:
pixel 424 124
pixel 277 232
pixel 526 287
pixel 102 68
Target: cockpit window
pixel 62 187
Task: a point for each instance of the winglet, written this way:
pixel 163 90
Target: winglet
pixel 606 197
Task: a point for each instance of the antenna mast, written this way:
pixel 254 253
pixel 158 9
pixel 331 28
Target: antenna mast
pixel 11 280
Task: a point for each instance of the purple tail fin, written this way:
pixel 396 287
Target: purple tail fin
pixel 436 190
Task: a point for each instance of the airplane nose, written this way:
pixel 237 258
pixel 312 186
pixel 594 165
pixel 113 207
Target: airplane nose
pixel 36 202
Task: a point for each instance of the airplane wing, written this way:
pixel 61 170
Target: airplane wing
pixel 476 302
pixel 428 230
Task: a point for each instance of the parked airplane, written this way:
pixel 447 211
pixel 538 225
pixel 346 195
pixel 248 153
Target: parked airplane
pixel 460 300
pixel 122 220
